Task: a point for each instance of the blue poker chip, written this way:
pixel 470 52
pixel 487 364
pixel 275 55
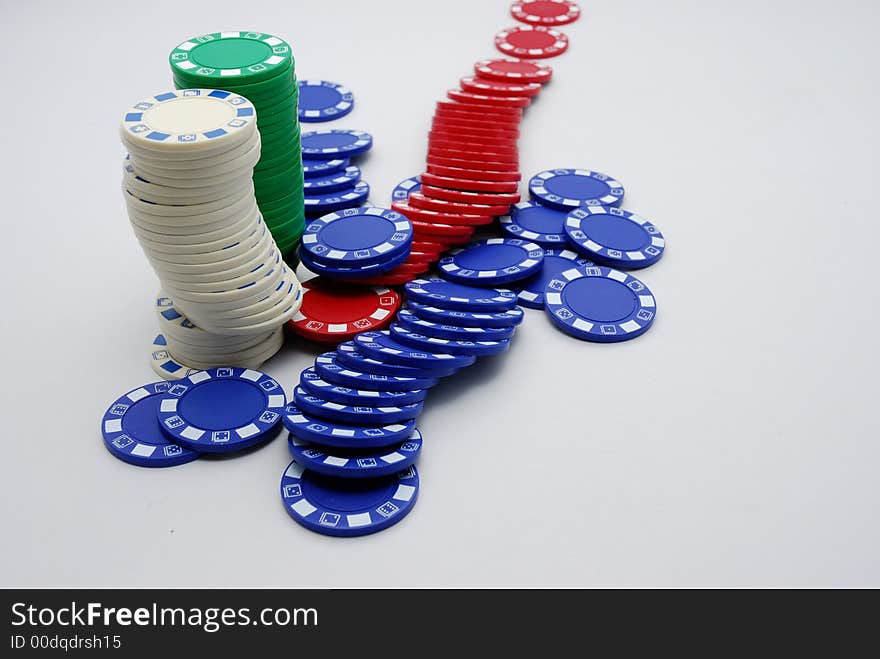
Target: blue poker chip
pixel 600 304
pixel 132 433
pixel 221 410
pixel 413 323
pixel 358 272
pixel 567 189
pixel 615 237
pixel 313 168
pixel 354 414
pixel 332 144
pixel 529 220
pixel 492 262
pixel 314 384
pixel 358 237
pixel 320 203
pixel 330 368
pixel 381 346
pixel 348 354
pixel 460 297
pixel 420 341
pixel 321 100
pixel 346 507
pixel 401 190
pixel 347 178
pixel 501 319
pixel 356 463
pixel 555 261
pixel 332 433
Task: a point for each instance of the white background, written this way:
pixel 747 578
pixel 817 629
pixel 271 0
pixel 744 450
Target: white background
pixel 734 444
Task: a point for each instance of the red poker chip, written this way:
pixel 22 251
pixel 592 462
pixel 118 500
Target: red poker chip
pixel 513 70
pixel 496 112
pixel 480 127
pixel 446 231
pixel 452 135
pixel 531 42
pixel 481 100
pixel 473 174
pixel 426 259
pixel 545 12
pixel 464 162
pixel 503 152
pixel 437 217
pixel 462 196
pixel 473 156
pixel 489 87
pixel 469 185
pixel 333 312
pixel 428 247
pixel 475 114
pixel 408 268
pixel 419 200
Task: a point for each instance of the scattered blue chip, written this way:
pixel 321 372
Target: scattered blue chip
pixel 599 304
pixel 401 190
pixel 330 433
pixel 501 319
pixel 381 346
pixel 357 272
pixel 332 144
pixel 413 323
pixel 358 237
pixel 330 367
pixel 356 463
pixel 536 223
pixel 555 261
pixel 320 203
pixel 492 262
pixel 132 433
pixel 347 178
pixel 347 507
pixel 355 414
pixel 220 410
pixel 313 383
pixel 419 341
pixel 449 295
pixel 321 100
pixel 567 189
pixel 313 168
pixel 348 354
pixel 614 237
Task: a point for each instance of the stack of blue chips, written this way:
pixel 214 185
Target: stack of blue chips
pixel 332 182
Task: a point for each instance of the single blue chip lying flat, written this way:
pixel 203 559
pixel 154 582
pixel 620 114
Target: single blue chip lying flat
pixel 492 262
pixel 615 237
pixel 319 203
pixel 313 168
pixel 332 144
pixel 332 369
pixel 349 354
pixel 320 267
pixel 220 410
pixel 356 463
pixel 313 383
pixel 381 346
pixel 357 414
pixel 555 261
pixel 132 433
pixel 566 189
pixel 344 506
pixel 529 220
pixel 331 433
pixel 501 319
pixel 321 100
pixel 448 346
pixel 346 178
pixel 413 323
pixel 450 295
pixel 599 304
pixel 401 190
pixel 358 237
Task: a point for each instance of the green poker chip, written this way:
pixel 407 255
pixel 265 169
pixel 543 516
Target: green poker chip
pixel 231 57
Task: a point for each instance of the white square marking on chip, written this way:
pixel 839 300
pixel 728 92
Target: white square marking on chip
pixel 391 458
pixel 138 394
pixel 168 405
pixel 295 470
pixel 404 492
pixel 636 256
pixel 339 432
pixel 335 461
pixel 192 433
pixel 617 275
pixel 201 376
pixel 251 375
pixel 303 508
pixel 113 425
pixel 143 450
pixel 582 325
pixel 230 72
pixel 276 400
pixel 361 519
pixel 647 301
pixel 247 431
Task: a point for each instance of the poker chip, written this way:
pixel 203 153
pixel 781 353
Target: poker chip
pixel 334 312
pixel 474 125
pixel 615 237
pixel 499 115
pixel 361 273
pixel 464 196
pixel 402 190
pixel 490 87
pixel 545 12
pixel 419 200
pixel 334 181
pixel 321 100
pixel 531 42
pixel 599 304
pixel 319 203
pixel 556 261
pixel 473 154
pixel 459 297
pixel 223 409
pixel 436 217
pixel 408 320
pixel 312 383
pixel 357 237
pixel 383 347
pixel 503 319
pixel 333 144
pixel 458 143
pixel 440 134
pixel 313 168
pixel 329 368
pixel 493 261
pixel 132 433
pixel 256 57
pixel 164 365
pixel 347 507
pixel 349 354
pixel 465 162
pixel 442 231
pixel 529 220
pixel 473 174
pixel 329 433
pixel 418 341
pixel 513 70
pixel 356 414
pixel 480 100
pixel 567 189
pixel 355 463
pixel 468 185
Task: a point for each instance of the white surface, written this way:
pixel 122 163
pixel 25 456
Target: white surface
pixel 734 444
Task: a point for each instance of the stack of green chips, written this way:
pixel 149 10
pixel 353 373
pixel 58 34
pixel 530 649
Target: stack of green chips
pixel 261 68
